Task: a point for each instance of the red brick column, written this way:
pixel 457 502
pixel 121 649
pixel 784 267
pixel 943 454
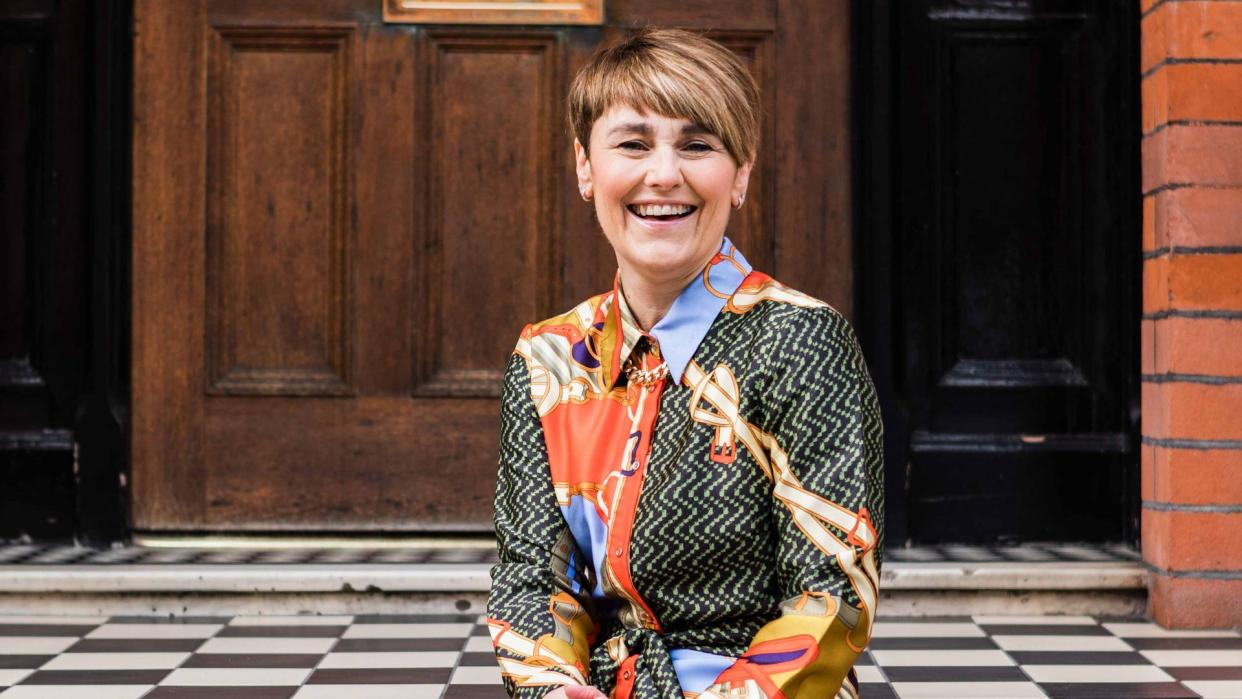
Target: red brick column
pixel 1192 310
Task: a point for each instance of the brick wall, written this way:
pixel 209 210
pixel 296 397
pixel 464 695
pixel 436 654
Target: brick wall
pixel 1192 305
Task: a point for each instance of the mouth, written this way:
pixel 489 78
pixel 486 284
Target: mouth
pixel 661 212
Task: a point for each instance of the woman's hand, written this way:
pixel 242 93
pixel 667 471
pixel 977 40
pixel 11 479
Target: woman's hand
pixel 575 692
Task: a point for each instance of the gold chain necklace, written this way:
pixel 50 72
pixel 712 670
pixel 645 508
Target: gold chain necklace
pixel 645 377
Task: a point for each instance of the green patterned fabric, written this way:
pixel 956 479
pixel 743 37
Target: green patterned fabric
pixel 713 552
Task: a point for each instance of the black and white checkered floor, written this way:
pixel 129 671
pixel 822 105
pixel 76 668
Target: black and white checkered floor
pixel 45 554
pixel 449 657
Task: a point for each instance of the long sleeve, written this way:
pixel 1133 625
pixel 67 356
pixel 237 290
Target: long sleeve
pixel 820 434
pixel 540 626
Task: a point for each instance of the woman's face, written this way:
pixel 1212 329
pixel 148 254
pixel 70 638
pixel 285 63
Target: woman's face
pixel 663 188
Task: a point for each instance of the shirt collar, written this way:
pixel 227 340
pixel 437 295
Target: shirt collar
pixel 681 330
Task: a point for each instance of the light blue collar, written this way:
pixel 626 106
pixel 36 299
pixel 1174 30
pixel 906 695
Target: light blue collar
pixel 692 313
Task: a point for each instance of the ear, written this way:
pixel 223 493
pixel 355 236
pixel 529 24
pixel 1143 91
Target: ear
pixel 582 165
pixel 742 181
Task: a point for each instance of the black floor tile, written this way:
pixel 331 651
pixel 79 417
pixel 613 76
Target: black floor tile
pixel 418 675
pixel 1000 673
pixel 313 631
pixel 1131 690
pixel 395 645
pixel 1059 657
pixel 221 693
pixel 234 660
pixel 921 643
pixel 96 677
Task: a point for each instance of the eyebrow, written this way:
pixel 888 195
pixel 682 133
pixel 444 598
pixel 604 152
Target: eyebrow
pixel 637 127
pixel 644 129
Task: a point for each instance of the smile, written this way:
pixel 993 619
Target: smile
pixel 661 212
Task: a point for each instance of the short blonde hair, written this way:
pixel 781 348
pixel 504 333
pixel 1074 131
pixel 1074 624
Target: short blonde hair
pixel 674 73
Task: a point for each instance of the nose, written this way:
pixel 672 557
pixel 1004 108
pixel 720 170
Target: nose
pixel 664 169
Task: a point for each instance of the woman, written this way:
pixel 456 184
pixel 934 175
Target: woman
pixel 689 493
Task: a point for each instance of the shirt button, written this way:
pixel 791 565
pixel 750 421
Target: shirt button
pixel 625 675
pixel 618 552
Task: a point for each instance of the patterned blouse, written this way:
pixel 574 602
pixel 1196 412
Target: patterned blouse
pixel 695 511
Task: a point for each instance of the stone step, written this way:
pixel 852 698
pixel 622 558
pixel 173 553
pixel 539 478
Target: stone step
pixel 454 577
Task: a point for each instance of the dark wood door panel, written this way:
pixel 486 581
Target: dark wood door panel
pixel 341 229
pixel 366 464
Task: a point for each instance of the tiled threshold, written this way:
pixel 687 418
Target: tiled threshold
pixel 166 578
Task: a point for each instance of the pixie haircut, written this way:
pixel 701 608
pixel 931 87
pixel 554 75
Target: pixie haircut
pixel 674 73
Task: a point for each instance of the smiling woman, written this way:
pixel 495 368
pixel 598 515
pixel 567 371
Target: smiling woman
pixel 663 187
pixel 689 499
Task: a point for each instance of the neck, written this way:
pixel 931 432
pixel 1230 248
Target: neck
pixel 650 299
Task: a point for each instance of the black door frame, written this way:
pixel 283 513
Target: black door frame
pixel 102 426
pixel 873 129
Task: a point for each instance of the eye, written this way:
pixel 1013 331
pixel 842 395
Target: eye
pixel 698 147
pixel 633 146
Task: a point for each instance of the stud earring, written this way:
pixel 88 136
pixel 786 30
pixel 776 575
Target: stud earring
pixel 738 200
pixel 585 191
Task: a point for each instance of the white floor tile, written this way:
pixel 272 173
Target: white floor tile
pixel 388 660
pixel 1194 658
pixel 476 675
pixel 292 620
pixel 77 691
pixel 962 690
pixel 1096 673
pixel 1147 630
pixel 408 631
pixel 155 631
pixel 479 644
pixel 941 658
pixel 1216 689
pixel 869 673
pixel 35 645
pixel 370 691
pixel 1065 643
pixel 267 645
pixel 115 661
pixel 1036 620
pixel 236 677
pixel 883 629
pixel 8 677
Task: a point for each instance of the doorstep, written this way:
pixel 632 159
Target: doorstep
pixel 248 576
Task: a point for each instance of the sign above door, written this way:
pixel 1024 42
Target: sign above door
pixel 494 11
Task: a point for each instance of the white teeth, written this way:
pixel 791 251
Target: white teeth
pixel 663 209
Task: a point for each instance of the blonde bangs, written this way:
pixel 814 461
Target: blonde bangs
pixel 676 74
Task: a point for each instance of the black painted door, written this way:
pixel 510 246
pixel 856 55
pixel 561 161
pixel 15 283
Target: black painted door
pixel 1015 260
pixel 63 244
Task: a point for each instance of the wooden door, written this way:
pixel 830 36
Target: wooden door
pixel 1015 263
pixel 340 227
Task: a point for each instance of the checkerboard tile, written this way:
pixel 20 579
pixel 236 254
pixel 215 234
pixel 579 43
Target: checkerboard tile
pixel 33 554
pixel 449 657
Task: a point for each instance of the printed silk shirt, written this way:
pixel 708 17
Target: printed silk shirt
pixel 709 530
